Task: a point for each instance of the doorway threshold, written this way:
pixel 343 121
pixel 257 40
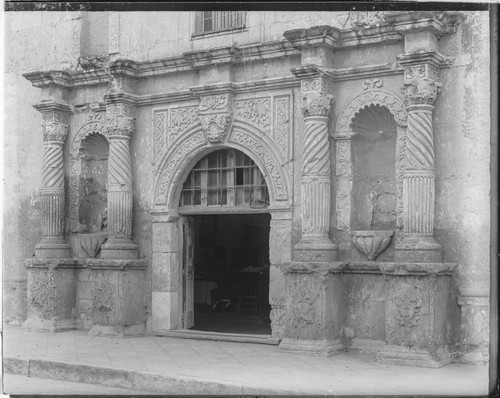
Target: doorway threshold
pixel 217 336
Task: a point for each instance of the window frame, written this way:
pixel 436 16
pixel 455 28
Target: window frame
pixel 226 184
pixel 199 23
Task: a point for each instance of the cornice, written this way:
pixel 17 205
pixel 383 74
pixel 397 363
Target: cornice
pixel 222 88
pixel 52 106
pixel 440 23
pixel 120 98
pixel 433 58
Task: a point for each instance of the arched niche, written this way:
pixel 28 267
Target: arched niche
pixel 92 209
pixel 373 121
pixel 89 151
pixel 374 192
pixel 181 158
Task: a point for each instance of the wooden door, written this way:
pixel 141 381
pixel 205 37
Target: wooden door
pixel 188 271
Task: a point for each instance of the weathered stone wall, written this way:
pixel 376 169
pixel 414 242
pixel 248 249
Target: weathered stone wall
pixel 32 42
pixel 462 148
pixel 461 129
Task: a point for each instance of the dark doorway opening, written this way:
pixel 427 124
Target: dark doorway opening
pixel 231 273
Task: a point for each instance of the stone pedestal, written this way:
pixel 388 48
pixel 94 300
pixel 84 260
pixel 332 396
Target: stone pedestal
pixel 51 294
pixel 314 308
pixel 117 291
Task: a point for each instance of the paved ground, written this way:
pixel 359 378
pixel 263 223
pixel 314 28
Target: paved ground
pixel 33 385
pixel 181 366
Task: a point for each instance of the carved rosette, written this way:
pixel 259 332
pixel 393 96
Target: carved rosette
pixel 120 126
pixel 215 117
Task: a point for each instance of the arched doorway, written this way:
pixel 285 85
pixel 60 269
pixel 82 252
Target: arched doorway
pixel 225 219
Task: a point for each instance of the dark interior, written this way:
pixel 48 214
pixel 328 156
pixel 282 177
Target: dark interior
pixel 231 261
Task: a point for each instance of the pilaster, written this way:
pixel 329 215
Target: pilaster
pixel 55 123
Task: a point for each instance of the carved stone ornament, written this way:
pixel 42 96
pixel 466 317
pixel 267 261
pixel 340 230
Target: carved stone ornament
pixel 408 309
pixel 372 97
pixel 372 243
pixel 120 120
pixel 257 111
pixel 215 126
pixel 214 102
pixel 93 62
pixel 316 105
pixel 372 84
pixel 421 92
pixel 182 119
pixel 54 128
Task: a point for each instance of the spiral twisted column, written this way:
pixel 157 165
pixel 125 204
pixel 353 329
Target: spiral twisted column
pixel 420 91
pixel 120 124
pixel 55 130
pixel 315 244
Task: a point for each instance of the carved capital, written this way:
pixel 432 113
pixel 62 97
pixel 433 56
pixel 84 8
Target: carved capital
pixel 215 126
pixel 54 127
pixel 120 120
pixel 316 105
pixel 420 92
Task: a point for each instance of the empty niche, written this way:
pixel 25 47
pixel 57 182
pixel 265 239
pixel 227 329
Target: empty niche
pixel 92 212
pixel 374 169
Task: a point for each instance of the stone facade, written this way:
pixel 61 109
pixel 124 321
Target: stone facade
pixel 371 130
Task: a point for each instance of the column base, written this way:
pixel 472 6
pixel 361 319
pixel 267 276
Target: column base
pixel 124 249
pixel 56 248
pixel 312 250
pixel 312 347
pixel 406 356
pixel 49 325
pixel 418 249
pixel 118 331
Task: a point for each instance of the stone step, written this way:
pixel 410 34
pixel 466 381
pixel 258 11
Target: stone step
pixel 217 336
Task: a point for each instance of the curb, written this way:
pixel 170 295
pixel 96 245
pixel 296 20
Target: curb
pixel 131 379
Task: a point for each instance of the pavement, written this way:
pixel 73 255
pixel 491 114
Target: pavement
pixel 171 365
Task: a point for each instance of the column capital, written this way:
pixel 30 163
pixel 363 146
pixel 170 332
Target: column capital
pixel 120 119
pixel 316 104
pixel 55 125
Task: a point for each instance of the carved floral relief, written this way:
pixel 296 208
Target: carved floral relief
pixel 256 110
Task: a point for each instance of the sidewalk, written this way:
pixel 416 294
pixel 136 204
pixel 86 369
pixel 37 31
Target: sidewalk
pixel 181 366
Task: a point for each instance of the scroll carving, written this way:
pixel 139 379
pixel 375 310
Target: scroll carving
pixel 256 110
pixel 282 125
pixel 272 168
pixel 160 133
pixel 182 155
pixel 181 120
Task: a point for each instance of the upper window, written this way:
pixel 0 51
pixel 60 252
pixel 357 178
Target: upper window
pixel 225 178
pixel 216 21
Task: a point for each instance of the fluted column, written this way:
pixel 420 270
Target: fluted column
pixel 420 90
pixel 120 121
pixel 55 130
pixel 315 244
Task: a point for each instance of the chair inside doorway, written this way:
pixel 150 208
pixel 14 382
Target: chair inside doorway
pixel 226 196
pixel 231 262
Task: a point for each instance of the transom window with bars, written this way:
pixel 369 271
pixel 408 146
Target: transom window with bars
pixel 225 178
pixel 215 21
